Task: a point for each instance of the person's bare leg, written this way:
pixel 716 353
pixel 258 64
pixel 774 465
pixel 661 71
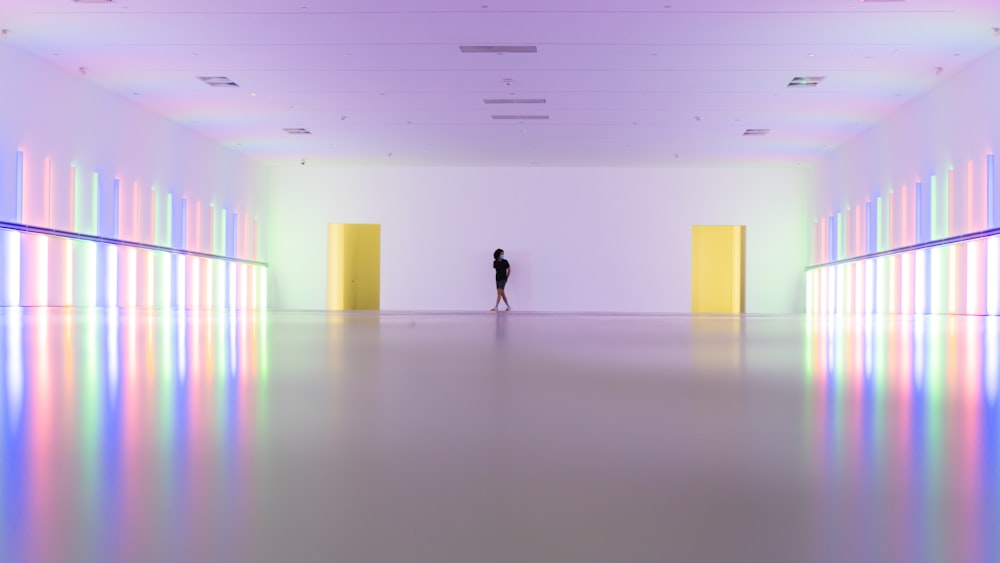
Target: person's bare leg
pixel 499 293
pixel 503 294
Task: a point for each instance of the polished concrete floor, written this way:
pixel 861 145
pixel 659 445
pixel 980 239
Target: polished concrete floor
pixel 497 437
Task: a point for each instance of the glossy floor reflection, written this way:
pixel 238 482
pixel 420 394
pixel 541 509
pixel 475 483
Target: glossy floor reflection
pixel 166 436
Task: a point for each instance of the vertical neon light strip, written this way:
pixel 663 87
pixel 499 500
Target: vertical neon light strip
pixel 859 287
pixel 231 231
pixel 919 212
pixel 182 230
pixel 231 282
pixel 111 275
pixel 85 280
pixel 136 234
pixel 938 287
pixel 10 268
pixel 180 278
pixel 212 229
pixel 256 240
pixel 116 202
pixel 68 278
pixel 921 305
pixel 840 236
pixel 893 237
pixel 906 283
pixel 19 188
pixel 993 275
pixel 860 221
pixel 150 278
pixel 879 234
pixel 894 283
pixel 128 274
pixel 223 231
pixel 35 270
pixel 935 210
pixel 972 206
pixel 163 279
pixel 830 281
pixel 905 216
pixel 975 298
pixel 168 236
pixel 154 217
pixel 953 227
pixel 831 238
pixel 870 286
pixel 46 220
pixel 952 279
pixel 196 241
pixel 991 197
pixel 194 283
pixel 262 291
pixel 882 285
pixel 810 291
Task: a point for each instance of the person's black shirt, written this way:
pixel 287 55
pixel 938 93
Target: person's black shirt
pixel 501 267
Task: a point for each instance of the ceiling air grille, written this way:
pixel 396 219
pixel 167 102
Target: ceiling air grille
pixel 218 81
pixel 498 48
pixel 520 117
pixel 805 81
pixel 514 100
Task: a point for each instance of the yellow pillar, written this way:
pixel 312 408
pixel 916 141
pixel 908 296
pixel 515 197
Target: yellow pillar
pixel 353 267
pixel 717 268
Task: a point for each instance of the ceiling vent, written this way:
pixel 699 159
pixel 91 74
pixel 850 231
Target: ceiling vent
pixel 805 81
pixel 756 132
pixel 297 131
pixel 514 100
pixel 520 117
pixel 218 81
pixel 498 48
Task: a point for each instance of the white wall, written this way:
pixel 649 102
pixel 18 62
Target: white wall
pixel 955 124
pixel 578 239
pixel 52 114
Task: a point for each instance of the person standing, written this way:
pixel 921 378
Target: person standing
pixel 502 268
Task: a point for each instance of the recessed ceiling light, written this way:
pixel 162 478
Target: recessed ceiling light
pixel 514 100
pixel 879 1
pixel 92 1
pixel 805 81
pixel 297 131
pixel 756 132
pixel 519 117
pixel 218 81
pixel 498 48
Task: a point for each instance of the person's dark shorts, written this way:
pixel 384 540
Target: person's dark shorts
pixel 501 284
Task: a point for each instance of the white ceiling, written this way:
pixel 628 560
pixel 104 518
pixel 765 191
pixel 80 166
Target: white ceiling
pixel 627 82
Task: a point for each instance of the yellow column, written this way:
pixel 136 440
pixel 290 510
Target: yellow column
pixel 717 268
pixel 353 267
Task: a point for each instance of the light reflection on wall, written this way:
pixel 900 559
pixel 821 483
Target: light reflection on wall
pixel 905 428
pixel 107 414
